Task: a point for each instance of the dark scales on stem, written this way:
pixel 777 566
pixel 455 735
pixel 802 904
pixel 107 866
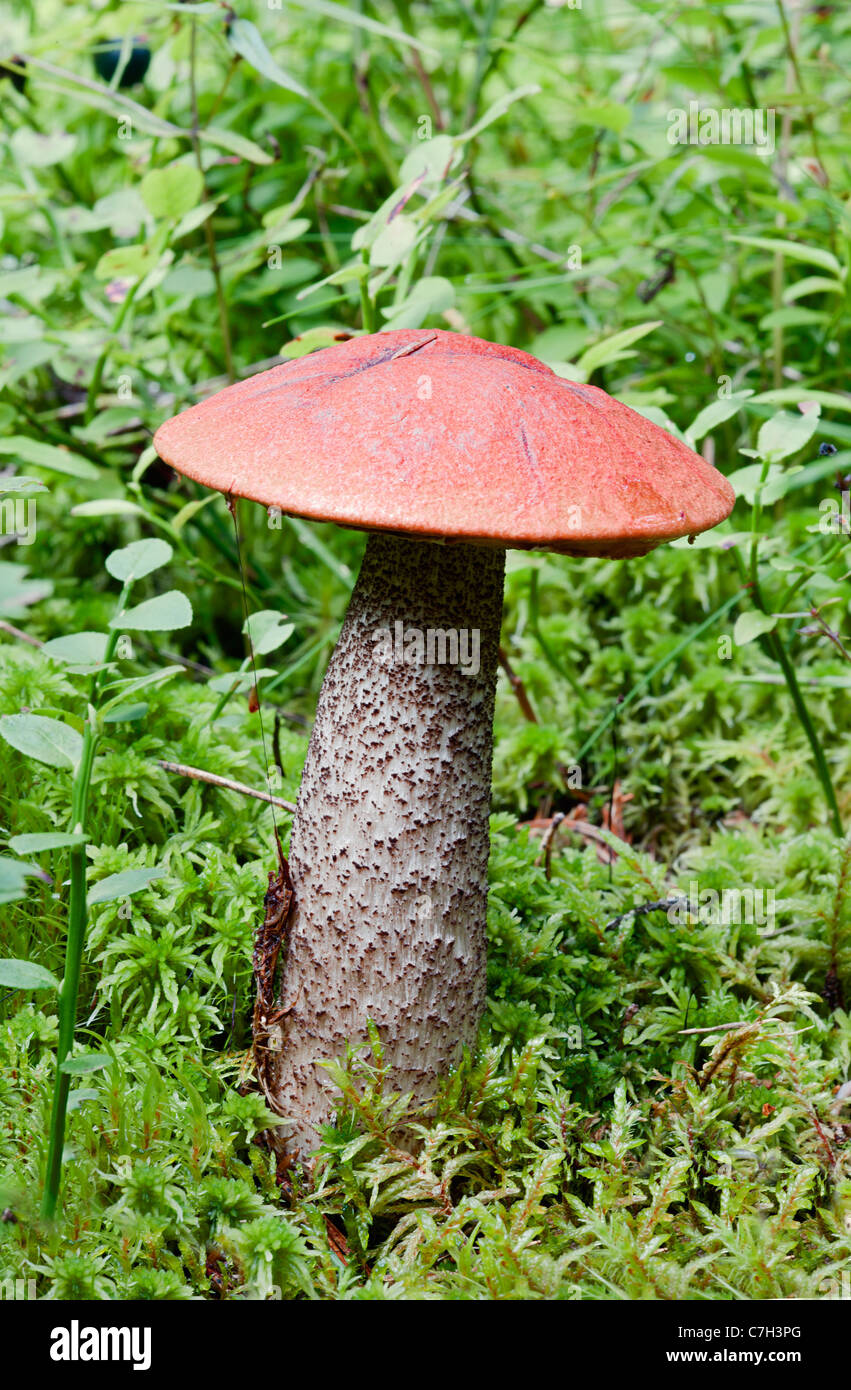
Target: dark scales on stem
pixel 278 901
pixel 268 942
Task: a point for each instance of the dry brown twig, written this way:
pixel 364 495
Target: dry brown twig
pixel 21 636
pixel 227 783
pixel 518 687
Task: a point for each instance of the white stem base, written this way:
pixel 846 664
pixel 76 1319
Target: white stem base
pixel 389 846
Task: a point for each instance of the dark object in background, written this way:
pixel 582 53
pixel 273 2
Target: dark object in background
pixel 18 79
pixel 71 392
pixel 648 289
pixel 107 56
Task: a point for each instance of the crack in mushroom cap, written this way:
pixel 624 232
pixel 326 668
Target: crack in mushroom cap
pixel 439 435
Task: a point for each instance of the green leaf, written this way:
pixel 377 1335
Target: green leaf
pixel 240 681
pixel 33 451
pixel 791 316
pixel 86 1063
pixel 800 395
pixel 18 592
pixel 716 539
pixel 608 115
pixel 786 433
pixel 716 413
pixel 103 98
pixel 130 684
pixel 430 157
pixel 794 479
pixel 161 614
pixel 393 243
pixel 78 648
pixel 748 481
pixel 32 282
pixel 314 338
pixel 429 297
pixel 246 40
pixel 32 148
pixel 342 14
pixel 795 251
pixel 613 349
pixel 499 108
pixel 267 631
pixel 189 223
pixel 811 284
pixel 751 625
pixel 21 328
pixel 237 144
pixel 13 878
pixel 21 484
pixel 46 740
pixel 367 233
pixel 126 263
pixel 137 559
pixel 347 274
pixel 126 714
pixel 171 193
pixel 79 1097
pixel 23 974
pixel 108 506
pixel 122 885
pixel 189 509
pixel 656 414
pixel 37 843
pixel 121 212
pixel 19 360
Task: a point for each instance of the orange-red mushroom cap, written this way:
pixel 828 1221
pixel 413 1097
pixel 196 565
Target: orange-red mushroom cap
pixel 435 434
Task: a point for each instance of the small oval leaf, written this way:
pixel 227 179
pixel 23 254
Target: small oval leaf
pixel 35 844
pixel 13 878
pixel 79 1097
pixel 752 624
pixel 122 885
pixel 139 558
pixel 23 974
pixel 47 740
pixel 86 1063
pixel 107 506
pixel 161 614
pixel 79 648
pixel 126 714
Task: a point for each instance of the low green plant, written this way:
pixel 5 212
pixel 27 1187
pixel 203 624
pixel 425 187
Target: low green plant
pixel 66 745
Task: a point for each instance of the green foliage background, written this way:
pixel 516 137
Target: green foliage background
pixel 158 235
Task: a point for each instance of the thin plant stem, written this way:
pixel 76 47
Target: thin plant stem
pixel 77 922
pixel 209 235
pixel 226 694
pixel 100 365
pixel 366 304
pixel 781 656
pixel 534 624
pixel 71 981
pixel 483 64
pixel 773 645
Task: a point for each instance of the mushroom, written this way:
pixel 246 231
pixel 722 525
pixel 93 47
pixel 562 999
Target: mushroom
pixel 447 449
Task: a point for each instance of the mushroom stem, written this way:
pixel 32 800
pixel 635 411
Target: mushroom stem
pixel 389 846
